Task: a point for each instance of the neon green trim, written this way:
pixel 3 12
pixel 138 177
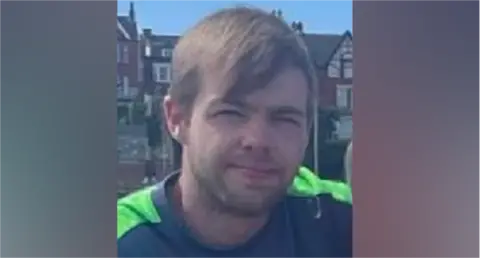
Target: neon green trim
pixel 140 201
pixel 307 183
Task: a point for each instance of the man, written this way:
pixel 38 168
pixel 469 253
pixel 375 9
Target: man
pixel 153 138
pixel 241 107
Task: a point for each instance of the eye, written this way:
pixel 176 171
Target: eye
pixel 288 120
pixel 229 112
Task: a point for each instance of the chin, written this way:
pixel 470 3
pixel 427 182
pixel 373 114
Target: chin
pixel 248 209
pixel 251 204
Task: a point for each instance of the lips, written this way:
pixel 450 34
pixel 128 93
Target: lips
pixel 255 171
pixel 262 168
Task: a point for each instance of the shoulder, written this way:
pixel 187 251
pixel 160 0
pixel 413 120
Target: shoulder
pixel 134 210
pixel 146 227
pixel 322 225
pixel 137 223
pixel 322 209
pixel 328 197
pixel 332 196
pixel 308 184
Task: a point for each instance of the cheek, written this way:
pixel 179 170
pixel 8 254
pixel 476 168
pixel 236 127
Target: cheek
pixel 294 156
pixel 221 132
pixel 293 139
pixel 292 148
pixel 210 139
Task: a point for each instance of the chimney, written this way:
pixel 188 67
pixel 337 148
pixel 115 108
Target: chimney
pixel 277 13
pixel 294 26
pixel 300 27
pixel 131 13
pixel 147 33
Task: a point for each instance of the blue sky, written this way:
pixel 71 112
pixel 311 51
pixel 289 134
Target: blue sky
pixel 174 17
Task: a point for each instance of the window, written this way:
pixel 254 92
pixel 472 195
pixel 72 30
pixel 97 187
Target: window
pixel 345 96
pixel 167 52
pixel 161 72
pixel 125 54
pixel 148 49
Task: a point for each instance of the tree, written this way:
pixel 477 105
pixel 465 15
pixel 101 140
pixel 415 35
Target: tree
pixel 278 13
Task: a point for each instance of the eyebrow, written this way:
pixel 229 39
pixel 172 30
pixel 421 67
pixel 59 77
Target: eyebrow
pixel 276 110
pixel 230 101
pixel 287 110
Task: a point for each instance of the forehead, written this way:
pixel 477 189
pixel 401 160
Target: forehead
pixel 288 87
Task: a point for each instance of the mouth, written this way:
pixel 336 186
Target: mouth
pixel 254 172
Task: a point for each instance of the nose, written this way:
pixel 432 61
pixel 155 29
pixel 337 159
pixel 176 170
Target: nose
pixel 257 137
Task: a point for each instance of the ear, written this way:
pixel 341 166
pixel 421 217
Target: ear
pixel 175 119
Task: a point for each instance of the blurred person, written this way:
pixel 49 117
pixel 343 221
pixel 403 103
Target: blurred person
pixel 154 137
pixel 240 105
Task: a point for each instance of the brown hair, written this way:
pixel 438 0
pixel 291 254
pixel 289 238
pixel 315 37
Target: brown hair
pixel 247 45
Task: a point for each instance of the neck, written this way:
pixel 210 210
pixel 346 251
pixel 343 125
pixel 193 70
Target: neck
pixel 208 221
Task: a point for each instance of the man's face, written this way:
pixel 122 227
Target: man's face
pixel 245 151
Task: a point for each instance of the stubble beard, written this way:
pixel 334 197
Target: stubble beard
pixel 216 194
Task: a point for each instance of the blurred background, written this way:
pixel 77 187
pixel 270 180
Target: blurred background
pixel 147 32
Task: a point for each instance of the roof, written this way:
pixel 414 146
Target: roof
pixel 164 41
pixel 126 28
pixel 159 42
pixel 322 46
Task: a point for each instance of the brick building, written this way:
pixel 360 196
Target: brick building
pixel 333 58
pixel 129 70
pixel 159 58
